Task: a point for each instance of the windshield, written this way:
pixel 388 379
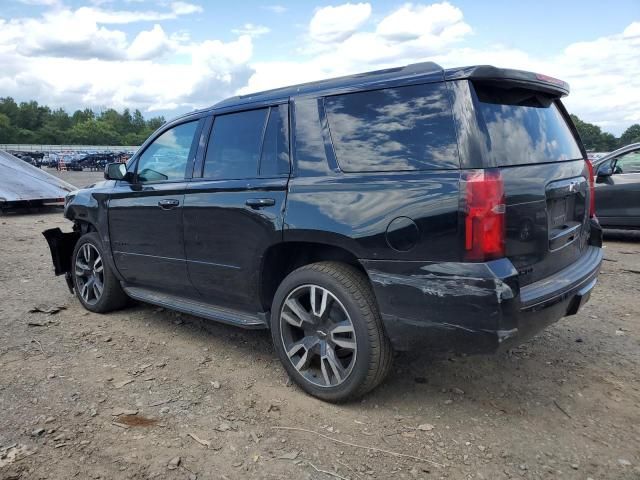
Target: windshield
pixel 522 127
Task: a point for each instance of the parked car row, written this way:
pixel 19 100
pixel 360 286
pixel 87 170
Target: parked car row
pixel 32 158
pixel 76 161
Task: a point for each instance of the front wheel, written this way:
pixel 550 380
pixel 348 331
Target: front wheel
pixel 95 285
pixel 327 331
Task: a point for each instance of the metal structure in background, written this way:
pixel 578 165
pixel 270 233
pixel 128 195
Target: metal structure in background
pixel 67 148
pixel 23 185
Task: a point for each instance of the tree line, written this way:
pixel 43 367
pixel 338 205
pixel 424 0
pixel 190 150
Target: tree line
pixel 31 123
pixel 28 122
pixel 596 140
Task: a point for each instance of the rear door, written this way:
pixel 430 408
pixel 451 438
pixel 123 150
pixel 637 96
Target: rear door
pixel 526 135
pixel 234 211
pixel 618 194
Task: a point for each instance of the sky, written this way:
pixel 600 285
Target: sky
pixel 170 57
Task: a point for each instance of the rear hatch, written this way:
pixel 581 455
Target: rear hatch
pixel 528 138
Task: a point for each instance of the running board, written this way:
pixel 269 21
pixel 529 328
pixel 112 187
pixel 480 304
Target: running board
pixel 198 309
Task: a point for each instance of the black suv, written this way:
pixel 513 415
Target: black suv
pixel 413 207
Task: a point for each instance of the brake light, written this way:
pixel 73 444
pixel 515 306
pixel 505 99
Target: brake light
pixel 592 189
pixel 484 215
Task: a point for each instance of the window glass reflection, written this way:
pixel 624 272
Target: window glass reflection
pixel 405 128
pixel 521 134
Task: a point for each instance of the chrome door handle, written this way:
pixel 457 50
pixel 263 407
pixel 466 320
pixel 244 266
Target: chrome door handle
pixel 260 202
pixel 168 203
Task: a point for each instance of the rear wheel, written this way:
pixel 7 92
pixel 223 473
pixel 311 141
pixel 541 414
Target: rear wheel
pixel 95 285
pixel 327 331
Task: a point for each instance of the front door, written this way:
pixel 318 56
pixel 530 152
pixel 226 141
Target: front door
pixel 234 212
pixel 618 195
pixel 145 215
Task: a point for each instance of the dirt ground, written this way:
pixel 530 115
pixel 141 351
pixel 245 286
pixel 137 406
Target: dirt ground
pixel 148 393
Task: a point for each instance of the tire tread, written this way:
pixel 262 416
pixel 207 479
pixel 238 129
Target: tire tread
pixel 356 286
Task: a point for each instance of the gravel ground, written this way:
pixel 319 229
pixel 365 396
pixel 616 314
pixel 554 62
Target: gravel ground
pixel 148 393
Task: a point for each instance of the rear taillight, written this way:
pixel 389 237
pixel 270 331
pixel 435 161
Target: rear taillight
pixel 484 215
pixel 592 189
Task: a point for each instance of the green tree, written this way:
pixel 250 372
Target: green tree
pixel 593 137
pixel 59 119
pixel 94 132
pixel 80 116
pixel 630 135
pixel 608 142
pixel 29 122
pixel 7 131
pixel 31 116
pixel 155 123
pixel 137 122
pixel 10 108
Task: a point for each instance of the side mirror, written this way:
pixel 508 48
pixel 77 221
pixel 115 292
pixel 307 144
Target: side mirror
pixel 605 170
pixel 115 171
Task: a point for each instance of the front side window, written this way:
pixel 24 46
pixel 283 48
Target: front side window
pixel 628 163
pixel 167 157
pixel 395 129
pixel 235 145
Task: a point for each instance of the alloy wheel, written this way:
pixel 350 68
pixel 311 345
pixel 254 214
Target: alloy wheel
pixel 318 336
pixel 89 273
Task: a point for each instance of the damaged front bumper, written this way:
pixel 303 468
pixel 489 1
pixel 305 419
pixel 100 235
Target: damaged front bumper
pixel 474 307
pixel 61 246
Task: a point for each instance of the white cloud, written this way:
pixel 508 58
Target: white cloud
pixel 251 30
pixel 150 44
pixel 411 22
pixel 132 16
pixel 63 33
pixel 40 2
pixel 83 57
pixel 334 24
pixel 339 43
pixel 71 58
pixel 185 8
pixel 604 73
pixel 279 9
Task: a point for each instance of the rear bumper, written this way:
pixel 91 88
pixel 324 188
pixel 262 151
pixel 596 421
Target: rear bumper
pixel 474 308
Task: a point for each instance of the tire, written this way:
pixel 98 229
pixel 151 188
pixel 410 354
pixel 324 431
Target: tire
pixel 112 297
pixel 351 354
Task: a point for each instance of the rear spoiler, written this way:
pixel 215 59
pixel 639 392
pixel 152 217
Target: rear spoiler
pixel 502 76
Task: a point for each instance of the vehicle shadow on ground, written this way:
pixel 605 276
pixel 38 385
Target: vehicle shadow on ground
pixel 622 235
pixel 486 382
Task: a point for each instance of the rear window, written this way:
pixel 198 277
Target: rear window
pixel 522 127
pixel 395 129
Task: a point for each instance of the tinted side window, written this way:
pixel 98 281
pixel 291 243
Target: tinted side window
pixel 166 158
pixel 234 145
pixel 275 149
pixel 405 128
pixel 311 158
pixel 628 163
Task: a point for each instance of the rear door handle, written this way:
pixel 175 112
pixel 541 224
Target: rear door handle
pixel 168 203
pixel 260 202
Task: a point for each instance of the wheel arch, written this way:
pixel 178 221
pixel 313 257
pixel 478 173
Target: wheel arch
pixel 282 258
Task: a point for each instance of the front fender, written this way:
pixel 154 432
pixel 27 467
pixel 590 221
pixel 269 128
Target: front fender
pixel 87 209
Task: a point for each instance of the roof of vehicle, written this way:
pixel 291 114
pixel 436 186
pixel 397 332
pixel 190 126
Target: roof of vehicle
pixel 410 74
pixel 627 148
